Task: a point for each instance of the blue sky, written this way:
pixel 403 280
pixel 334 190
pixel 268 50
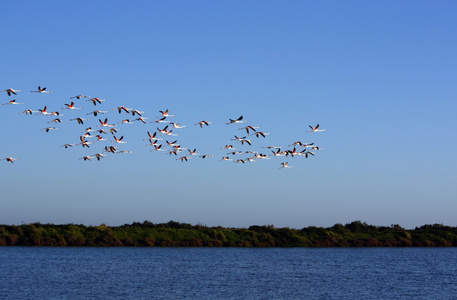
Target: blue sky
pixel 379 76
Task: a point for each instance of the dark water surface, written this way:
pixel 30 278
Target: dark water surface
pixel 228 273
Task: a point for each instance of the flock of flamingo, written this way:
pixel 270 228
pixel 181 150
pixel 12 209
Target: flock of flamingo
pixel 97 133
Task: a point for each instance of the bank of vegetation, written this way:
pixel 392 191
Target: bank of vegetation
pixel 174 234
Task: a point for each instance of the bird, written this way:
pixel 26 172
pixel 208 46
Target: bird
pixel 229 147
pixel 87 157
pixel 165 114
pixel 247 128
pixel 28 112
pixel 239 120
pixel 278 153
pixel 12 102
pixel 44 111
pixel 80 120
pixel 308 153
pixel 79 97
pixel 100 138
pixel 193 152
pixel 176 125
pixel 272 147
pixel 246 141
pixel 84 143
pixel 105 123
pixel 122 108
pixel 49 128
pixel 96 100
pixel 71 106
pixel 98 156
pixel 10 159
pixel 201 123
pixel 111 149
pixel 67 145
pixel 158 148
pixel 184 158
pixel 260 133
pixel 42 90
pixel 161 120
pixel 141 119
pixel 172 144
pixel 164 130
pixel 124 151
pixel 135 111
pixel 315 129
pixel 96 112
pixel 239 160
pixel 152 137
pixel 126 121
pixel 238 139
pixel 225 158
pixel 57 120
pixel 118 140
pixel 285 165
pixel 11 91
pixel 205 156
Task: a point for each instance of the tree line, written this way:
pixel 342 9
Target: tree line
pixel 175 234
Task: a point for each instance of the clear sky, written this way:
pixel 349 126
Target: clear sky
pixel 380 76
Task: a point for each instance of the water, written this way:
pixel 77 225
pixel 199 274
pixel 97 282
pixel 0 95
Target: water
pixel 228 273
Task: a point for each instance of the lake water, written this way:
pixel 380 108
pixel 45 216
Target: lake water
pixel 228 273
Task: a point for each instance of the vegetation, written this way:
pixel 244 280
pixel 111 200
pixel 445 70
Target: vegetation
pixel 174 234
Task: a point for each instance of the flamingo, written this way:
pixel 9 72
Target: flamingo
pixel 162 120
pixel 225 158
pixel 184 158
pixel 246 141
pixel 42 90
pixel 235 152
pixel 67 145
pixel 84 143
pixel 205 156
pixel 122 108
pixel 118 140
pixel 229 147
pixel 57 120
pixel 272 147
pixel 10 159
pixel 165 114
pixel 28 112
pixel 44 111
pixel 49 128
pixel 315 129
pixel 111 149
pixel 158 148
pixel 239 160
pixel 71 106
pixel 87 157
pixel 99 156
pixel 172 144
pixel 285 165
pixel 201 123
pixel 258 133
pixel 247 128
pixel 100 138
pixel 308 153
pixel 141 119
pixel 135 111
pixel 124 151
pixel 80 120
pixel 239 120
pixel 193 152
pixel 126 121
pixel 79 97
pixel 316 148
pixel 176 125
pixel 55 113
pixel 105 123
pixel 152 137
pixel 11 91
pixel 278 153
pixel 96 100
pixel 96 112
pixel 12 102
pixel 164 130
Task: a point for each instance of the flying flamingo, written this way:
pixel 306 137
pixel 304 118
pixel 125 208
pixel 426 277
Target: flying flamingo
pixel 201 123
pixel 80 120
pixel 184 158
pixel 258 133
pixel 176 125
pixel 96 100
pixel 315 129
pixel 239 120
pixel 49 128
pixel 28 112
pixel 71 106
pixel 285 165
pixel 12 102
pixel 79 97
pixel 122 108
pixel 141 119
pixel 11 91
pixel 165 114
pixel 42 90
pixel 96 112
pixel 105 123
pixel 10 159
pixel 247 128
pixel 118 140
